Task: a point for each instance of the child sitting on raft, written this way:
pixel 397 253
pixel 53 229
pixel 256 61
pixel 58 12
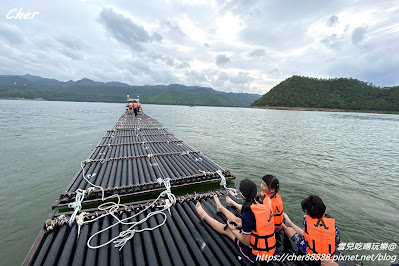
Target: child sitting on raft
pixel 256 237
pixel 270 186
pixel 319 235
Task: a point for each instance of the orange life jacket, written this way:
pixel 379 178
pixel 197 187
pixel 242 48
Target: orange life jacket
pixel 130 105
pixel 135 105
pixel 277 205
pixel 319 235
pixel 263 241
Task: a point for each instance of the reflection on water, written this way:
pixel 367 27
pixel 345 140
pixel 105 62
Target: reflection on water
pixel 351 160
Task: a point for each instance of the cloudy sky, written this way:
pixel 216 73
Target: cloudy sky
pixel 235 46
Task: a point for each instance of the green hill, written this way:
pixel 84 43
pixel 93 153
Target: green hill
pixel 86 90
pixel 340 93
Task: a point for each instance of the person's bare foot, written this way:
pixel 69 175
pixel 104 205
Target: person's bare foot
pixel 219 205
pixel 229 200
pixel 201 212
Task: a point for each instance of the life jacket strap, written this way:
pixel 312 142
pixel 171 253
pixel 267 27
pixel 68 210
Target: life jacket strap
pixel 263 249
pixel 262 237
pixel 312 248
pixel 254 246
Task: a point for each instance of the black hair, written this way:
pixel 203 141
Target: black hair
pixel 314 206
pixel 249 191
pixel 271 182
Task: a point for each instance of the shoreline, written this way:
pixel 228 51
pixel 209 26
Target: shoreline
pixel 323 109
pixel 255 107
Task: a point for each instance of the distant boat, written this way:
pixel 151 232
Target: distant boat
pixel 191 105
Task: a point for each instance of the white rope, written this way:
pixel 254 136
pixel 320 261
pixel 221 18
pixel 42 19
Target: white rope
pixel 124 236
pixel 77 205
pixel 223 183
pixel 110 208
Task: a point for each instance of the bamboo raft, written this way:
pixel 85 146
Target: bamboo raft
pixel 129 161
pixel 183 240
pixel 133 156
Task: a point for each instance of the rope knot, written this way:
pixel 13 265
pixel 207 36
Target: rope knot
pixel 223 183
pixel 123 238
pixel 77 205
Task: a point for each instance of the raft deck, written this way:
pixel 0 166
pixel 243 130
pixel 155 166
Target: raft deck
pixel 183 240
pixel 133 156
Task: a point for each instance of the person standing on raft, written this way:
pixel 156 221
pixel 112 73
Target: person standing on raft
pixel 256 237
pixel 136 107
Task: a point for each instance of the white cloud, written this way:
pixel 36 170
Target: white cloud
pixel 246 46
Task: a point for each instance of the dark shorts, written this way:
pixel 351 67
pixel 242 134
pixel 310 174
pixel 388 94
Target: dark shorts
pixel 245 253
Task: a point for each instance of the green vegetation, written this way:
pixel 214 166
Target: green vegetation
pixel 86 90
pixel 339 93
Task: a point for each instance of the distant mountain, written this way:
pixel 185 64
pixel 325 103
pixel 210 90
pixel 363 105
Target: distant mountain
pixel 30 77
pixel 40 80
pixel 31 87
pixel 340 93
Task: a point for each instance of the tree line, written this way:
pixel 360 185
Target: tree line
pixel 338 93
pixel 86 90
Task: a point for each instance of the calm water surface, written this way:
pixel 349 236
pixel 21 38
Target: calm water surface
pixel 350 159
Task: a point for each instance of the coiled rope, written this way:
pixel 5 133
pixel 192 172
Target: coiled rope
pixel 110 208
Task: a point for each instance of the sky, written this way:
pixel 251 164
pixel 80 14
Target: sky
pixel 232 46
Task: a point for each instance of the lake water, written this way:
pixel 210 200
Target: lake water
pixel 350 159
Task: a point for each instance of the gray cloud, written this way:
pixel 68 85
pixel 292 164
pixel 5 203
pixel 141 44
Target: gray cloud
pixel 71 42
pixel 333 41
pixel 172 31
pixel 169 60
pixel 195 78
pixel 257 53
pixel 11 34
pixel 241 78
pixel 69 46
pixel 222 59
pixel 358 34
pixel 125 30
pixel 277 25
pixel 332 21
pixel 181 65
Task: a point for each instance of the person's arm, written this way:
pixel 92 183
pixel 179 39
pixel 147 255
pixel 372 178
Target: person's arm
pixel 243 238
pixel 291 224
pixel 232 202
pixel 237 205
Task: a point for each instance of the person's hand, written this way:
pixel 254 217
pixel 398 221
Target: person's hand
pixel 231 226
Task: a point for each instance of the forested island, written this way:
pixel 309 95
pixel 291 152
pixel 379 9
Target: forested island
pixel 86 90
pixel 305 93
